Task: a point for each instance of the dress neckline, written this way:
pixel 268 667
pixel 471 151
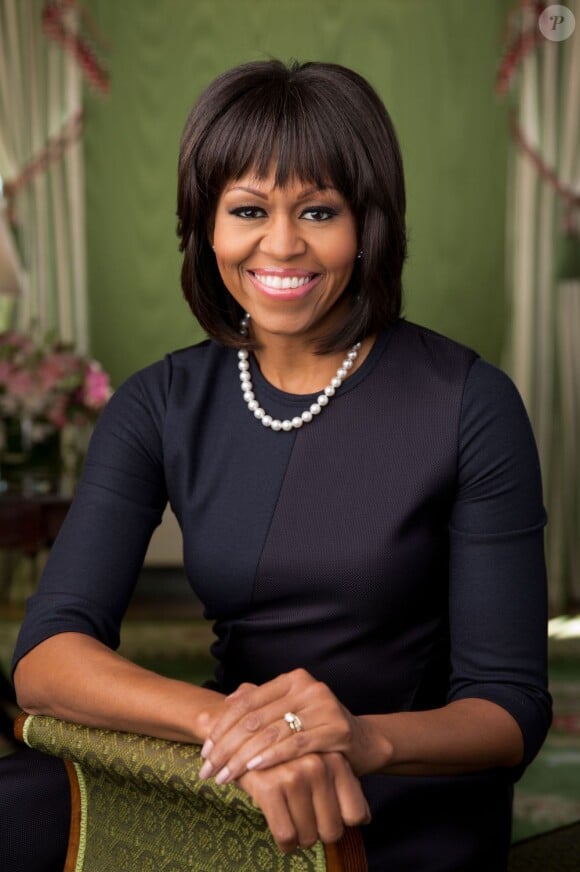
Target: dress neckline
pixel 264 388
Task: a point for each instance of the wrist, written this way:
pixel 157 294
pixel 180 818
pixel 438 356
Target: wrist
pixel 207 715
pixel 378 750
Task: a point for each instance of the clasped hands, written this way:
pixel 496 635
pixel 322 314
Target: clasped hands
pixel 306 782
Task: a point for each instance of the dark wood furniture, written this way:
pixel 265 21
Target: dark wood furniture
pixel 31 523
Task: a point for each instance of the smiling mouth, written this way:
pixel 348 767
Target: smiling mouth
pixel 283 283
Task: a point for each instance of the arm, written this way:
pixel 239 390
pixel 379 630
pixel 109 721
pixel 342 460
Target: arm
pixel 76 678
pixel 463 736
pixel 65 663
pixel 498 708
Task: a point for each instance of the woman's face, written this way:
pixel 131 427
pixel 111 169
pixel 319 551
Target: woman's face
pixel 285 254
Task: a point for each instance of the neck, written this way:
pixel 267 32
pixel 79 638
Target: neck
pixel 297 369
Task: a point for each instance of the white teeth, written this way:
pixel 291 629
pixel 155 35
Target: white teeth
pixel 281 284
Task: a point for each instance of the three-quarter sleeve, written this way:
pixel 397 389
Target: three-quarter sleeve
pixel 497 583
pixel 94 564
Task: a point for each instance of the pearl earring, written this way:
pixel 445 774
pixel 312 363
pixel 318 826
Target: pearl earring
pixel 359 254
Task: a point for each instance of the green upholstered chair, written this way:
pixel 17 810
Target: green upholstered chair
pixel 138 804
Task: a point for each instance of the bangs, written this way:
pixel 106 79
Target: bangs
pixel 283 128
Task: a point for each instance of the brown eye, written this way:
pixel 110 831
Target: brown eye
pixel 320 213
pixel 248 212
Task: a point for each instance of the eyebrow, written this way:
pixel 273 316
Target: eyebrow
pixel 303 196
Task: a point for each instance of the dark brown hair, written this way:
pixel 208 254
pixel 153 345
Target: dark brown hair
pixel 319 123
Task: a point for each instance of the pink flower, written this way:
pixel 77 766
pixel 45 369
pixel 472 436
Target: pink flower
pixel 5 370
pixel 96 389
pixel 44 381
pixel 20 383
pixel 56 367
pixel 57 413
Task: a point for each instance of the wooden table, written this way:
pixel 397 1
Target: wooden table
pixel 31 523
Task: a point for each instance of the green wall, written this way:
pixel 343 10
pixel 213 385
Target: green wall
pixel 433 62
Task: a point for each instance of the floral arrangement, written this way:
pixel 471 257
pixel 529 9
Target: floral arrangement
pixel 45 385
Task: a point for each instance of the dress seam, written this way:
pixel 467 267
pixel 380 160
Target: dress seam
pixel 270 522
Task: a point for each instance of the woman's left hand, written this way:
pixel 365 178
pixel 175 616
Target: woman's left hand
pixel 251 733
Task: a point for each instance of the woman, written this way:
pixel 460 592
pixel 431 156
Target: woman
pixel 359 497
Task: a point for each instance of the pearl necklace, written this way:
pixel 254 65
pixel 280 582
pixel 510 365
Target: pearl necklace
pixel 308 414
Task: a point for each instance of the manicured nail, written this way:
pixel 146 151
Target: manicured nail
pixel 222 775
pixel 206 770
pixel 207 749
pixel 254 762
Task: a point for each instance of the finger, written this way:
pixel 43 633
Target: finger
pixel 292 690
pixel 262 739
pixel 298 786
pixel 263 730
pixel 354 807
pixel 256 731
pixel 225 767
pixel 319 740
pixel 280 822
pixel 243 702
pixel 327 811
pixel 277 744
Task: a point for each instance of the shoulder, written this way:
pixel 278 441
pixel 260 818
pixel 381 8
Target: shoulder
pixel 419 336
pixel 436 356
pixel 498 464
pixel 492 401
pixel 153 384
pixel 138 408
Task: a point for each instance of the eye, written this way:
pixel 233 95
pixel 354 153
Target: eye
pixel 319 213
pixel 248 212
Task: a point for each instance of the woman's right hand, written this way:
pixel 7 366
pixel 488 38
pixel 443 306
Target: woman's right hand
pixel 308 799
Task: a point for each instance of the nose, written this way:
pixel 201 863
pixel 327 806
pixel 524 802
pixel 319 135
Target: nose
pixel 282 238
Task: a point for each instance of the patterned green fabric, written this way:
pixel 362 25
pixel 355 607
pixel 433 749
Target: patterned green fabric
pixel 144 808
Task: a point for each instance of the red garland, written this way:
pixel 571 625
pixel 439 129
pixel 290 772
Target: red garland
pixel 52 153
pixel 525 42
pixel 548 174
pixel 570 197
pixel 522 45
pixel 54 25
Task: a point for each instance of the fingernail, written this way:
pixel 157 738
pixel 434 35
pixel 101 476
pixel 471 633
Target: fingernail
pixel 255 762
pixel 206 749
pixel 206 770
pixel 222 775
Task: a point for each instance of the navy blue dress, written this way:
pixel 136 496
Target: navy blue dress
pixel 393 547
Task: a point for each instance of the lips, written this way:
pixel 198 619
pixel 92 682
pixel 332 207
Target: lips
pixel 284 284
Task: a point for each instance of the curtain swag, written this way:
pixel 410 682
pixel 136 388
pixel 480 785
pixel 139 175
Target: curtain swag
pixel 41 164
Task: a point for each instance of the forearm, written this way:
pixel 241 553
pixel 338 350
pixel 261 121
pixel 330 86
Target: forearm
pixel 74 677
pixel 464 736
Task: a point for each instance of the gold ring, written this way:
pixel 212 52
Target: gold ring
pixel 294 722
